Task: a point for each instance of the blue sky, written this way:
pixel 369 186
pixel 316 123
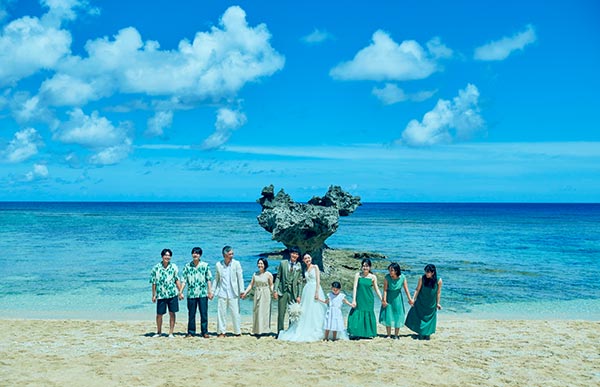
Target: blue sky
pixel 212 100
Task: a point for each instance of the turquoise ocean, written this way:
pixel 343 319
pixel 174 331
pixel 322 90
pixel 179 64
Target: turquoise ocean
pixel 92 260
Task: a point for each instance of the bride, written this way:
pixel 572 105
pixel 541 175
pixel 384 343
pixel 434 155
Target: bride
pixel 309 326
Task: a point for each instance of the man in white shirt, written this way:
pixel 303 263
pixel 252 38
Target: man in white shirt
pixel 228 286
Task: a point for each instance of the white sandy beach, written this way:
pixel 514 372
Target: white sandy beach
pixel 464 352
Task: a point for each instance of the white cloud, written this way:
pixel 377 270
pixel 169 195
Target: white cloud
pixel 439 49
pixel 113 154
pixel 464 151
pixel 158 122
pixel 30 44
pixel 66 90
pixel 91 131
pixel 452 120
pixel 391 94
pixel 215 65
pixel 60 10
pixel 27 109
pixel 212 67
pixel 227 121
pixel 23 146
pixel 27 46
pixel 316 37
pixel 501 49
pixel 40 171
pixel 384 59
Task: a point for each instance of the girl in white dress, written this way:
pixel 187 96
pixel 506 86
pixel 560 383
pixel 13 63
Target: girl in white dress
pixel 309 326
pixel 334 321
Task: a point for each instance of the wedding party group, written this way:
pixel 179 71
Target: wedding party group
pixel 311 315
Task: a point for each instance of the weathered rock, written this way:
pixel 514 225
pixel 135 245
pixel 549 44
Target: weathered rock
pixel 306 226
pixel 342 265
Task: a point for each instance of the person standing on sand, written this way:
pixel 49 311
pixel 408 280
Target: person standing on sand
pixel 422 317
pixel 288 285
pixel 228 286
pixel 262 283
pixel 309 326
pixel 197 277
pixel 361 319
pixel 166 288
pixel 392 304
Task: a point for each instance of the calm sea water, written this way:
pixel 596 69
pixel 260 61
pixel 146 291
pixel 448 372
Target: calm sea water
pixel 92 260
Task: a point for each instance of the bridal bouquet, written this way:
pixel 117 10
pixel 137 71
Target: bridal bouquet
pixel 294 311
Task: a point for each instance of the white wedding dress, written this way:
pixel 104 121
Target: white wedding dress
pixel 309 327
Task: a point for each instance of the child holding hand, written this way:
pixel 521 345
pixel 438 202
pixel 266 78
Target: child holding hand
pixel 334 321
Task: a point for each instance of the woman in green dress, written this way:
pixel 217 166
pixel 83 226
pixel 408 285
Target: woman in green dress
pixel 422 317
pixel 392 305
pixel 361 319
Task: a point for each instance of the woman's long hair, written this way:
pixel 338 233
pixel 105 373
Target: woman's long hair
pixel 430 282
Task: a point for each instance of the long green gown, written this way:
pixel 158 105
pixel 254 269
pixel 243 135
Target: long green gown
pixel 393 314
pixel 422 317
pixel 361 320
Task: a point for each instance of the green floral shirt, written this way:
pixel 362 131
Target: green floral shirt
pixel 197 279
pixel 164 279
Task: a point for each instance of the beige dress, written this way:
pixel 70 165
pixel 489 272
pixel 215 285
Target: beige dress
pixel 262 305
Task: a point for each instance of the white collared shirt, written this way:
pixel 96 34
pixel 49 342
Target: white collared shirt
pixel 226 286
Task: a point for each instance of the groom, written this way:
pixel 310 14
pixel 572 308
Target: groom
pixel 288 285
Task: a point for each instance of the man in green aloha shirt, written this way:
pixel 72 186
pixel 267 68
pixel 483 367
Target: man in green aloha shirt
pixel 166 289
pixel 197 277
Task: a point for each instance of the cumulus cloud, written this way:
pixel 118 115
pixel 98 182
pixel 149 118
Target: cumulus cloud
pixel 91 131
pixel 113 154
pixel 27 109
pixel 391 94
pixel 452 120
pixel 158 122
pixel 501 49
pixel 212 67
pixel 23 146
pixel 66 90
pixel 215 65
pixel 316 37
pixel 40 171
pixel 227 121
pixel 439 49
pixel 30 44
pixel 384 59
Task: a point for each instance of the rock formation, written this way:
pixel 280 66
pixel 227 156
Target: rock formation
pixel 306 226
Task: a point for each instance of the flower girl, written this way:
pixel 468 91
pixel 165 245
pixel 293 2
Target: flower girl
pixel 334 321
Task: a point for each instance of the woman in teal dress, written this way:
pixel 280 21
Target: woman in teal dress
pixel 361 319
pixel 422 317
pixel 392 305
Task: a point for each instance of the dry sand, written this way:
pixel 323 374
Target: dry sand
pixel 462 353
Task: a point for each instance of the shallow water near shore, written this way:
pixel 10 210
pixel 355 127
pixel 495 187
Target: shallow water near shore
pixel 92 260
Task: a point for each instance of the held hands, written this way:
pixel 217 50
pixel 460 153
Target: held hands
pixel 317 297
pixel 298 299
pixel 353 304
pixel 181 296
pixel 211 296
pixel 275 295
pixel 411 302
pixel 384 303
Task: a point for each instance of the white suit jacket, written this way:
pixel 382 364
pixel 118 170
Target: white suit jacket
pixel 237 279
